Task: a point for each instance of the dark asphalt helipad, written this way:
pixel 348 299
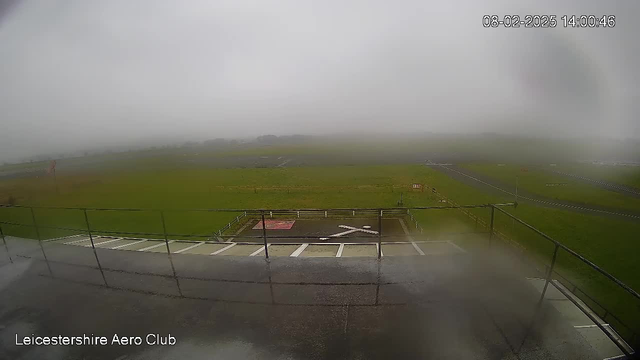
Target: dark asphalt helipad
pixel 313 230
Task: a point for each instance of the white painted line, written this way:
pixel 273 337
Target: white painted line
pixel 340 249
pixel 381 253
pixel 343 233
pixel 224 249
pixel 188 248
pixel 357 229
pixel 299 250
pixel 155 246
pixel 456 246
pixel 63 237
pixel 415 246
pixel 259 250
pixel 616 357
pixel 404 226
pixel 76 241
pixel 125 245
pixel 104 242
pixel 588 326
pixel 241 230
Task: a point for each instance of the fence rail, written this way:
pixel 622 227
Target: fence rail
pixel 630 343
pixel 377 212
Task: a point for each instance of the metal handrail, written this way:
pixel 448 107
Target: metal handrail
pixel 572 252
pixel 263 209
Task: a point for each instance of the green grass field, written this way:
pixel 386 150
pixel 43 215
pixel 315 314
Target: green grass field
pixel 624 175
pixel 535 181
pixel 371 186
pixel 605 241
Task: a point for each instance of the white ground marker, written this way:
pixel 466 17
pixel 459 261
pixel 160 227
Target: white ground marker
pixel 622 356
pixel 63 237
pixel 241 229
pixel 340 249
pixel 224 249
pixel 377 249
pixel 299 250
pixel 259 250
pixel 588 326
pixel 188 248
pixel 155 246
pixel 404 226
pixel 415 246
pixel 103 242
pixel 129 244
pixel 357 229
pixel 343 233
pixel 456 246
pixel 76 241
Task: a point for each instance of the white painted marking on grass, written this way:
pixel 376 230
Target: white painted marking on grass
pixel 259 250
pixel 415 246
pixel 224 249
pixel 76 241
pixel 188 248
pixel 63 237
pixel 155 246
pixel 299 250
pixel 456 246
pixel 104 242
pixel 129 244
pixel 340 249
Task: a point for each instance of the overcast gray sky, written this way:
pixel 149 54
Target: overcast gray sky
pixel 80 73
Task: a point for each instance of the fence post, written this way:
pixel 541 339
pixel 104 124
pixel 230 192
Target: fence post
pixel 264 237
pixel 379 234
pixel 93 246
pixel 166 242
pixel 5 244
pixel 538 305
pixel 493 210
pixel 548 278
pixel 35 225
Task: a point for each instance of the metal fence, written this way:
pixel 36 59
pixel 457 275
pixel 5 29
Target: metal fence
pixel 613 306
pixel 620 327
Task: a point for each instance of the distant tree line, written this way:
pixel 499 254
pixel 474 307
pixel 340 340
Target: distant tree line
pixel 286 139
